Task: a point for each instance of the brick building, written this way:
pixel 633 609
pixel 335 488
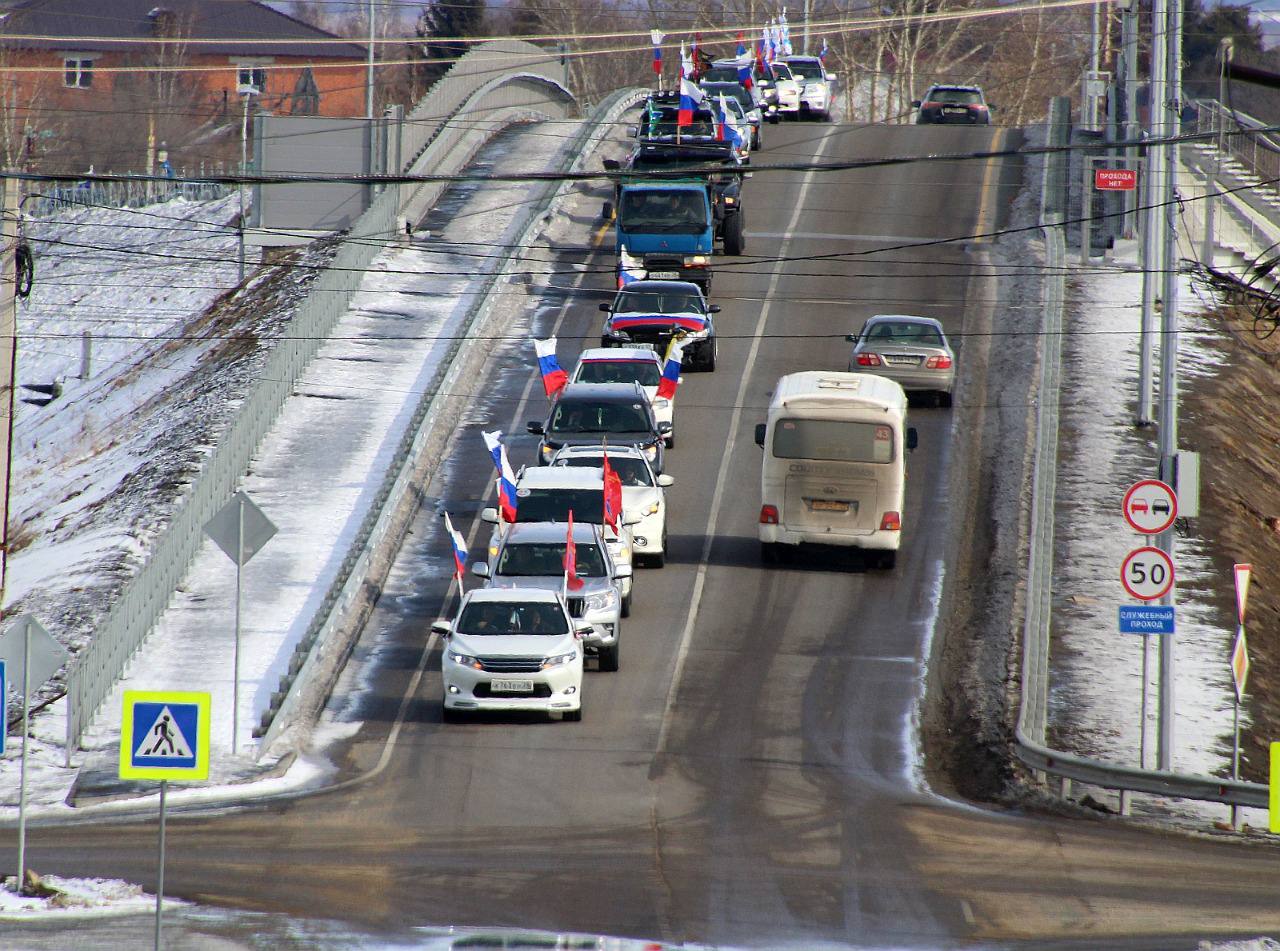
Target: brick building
pixel 105 82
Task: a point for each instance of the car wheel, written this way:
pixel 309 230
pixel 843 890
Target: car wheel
pixel 659 559
pixel 609 656
pixel 450 715
pixel 709 363
pixel 770 553
pixel 755 141
pixel 572 716
pixel 886 560
pixel 670 441
pixel 606 211
pixel 944 400
pixel 735 239
pixel 626 606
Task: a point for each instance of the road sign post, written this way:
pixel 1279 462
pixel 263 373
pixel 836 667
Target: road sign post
pixel 37 656
pixel 1273 797
pixel 164 736
pixel 239 528
pixel 1239 673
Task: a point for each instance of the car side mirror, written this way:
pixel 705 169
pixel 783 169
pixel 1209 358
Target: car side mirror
pixel 583 629
pixel 443 628
pixel 664 429
pixel 666 481
pixel 760 430
pixel 832 77
pixel 604 307
pixel 480 569
pixel 713 309
pixel 915 103
pixel 991 107
pixel 913 439
pixel 633 130
pixel 852 338
pixel 613 165
pixel 631 518
pixel 534 428
pixel 489 514
pixel 621 571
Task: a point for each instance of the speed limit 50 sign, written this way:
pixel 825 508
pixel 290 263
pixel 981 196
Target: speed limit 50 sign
pixel 1147 574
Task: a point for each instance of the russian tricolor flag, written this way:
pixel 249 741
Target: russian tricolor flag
pixel 459 548
pixel 743 62
pixel 506 478
pixel 690 96
pixel 553 376
pixel 671 369
pixel 657 37
pixel 728 129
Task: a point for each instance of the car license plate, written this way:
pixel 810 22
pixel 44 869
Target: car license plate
pixel 897 361
pixel 664 275
pixel 511 686
pixel 955 110
pixel 828 505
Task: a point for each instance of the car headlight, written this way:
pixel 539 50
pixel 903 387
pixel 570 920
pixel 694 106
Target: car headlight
pixel 465 660
pixel 624 554
pixel 547 451
pixel 729 199
pixel 696 260
pixel 559 660
pixel 603 601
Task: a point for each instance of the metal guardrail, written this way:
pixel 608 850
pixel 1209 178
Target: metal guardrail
pixel 1029 734
pixel 1258 152
pixel 98 666
pixel 319 641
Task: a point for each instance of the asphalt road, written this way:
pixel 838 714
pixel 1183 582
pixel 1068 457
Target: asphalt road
pixel 752 774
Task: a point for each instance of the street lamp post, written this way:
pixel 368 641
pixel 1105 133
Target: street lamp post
pixel 246 91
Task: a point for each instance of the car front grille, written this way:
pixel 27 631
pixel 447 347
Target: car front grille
pixel 540 691
pixel 511 665
pixel 577 607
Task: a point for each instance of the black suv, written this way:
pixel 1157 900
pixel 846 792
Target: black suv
pixel 953 104
pixel 588 414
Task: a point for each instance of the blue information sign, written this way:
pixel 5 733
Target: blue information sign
pixel 1146 619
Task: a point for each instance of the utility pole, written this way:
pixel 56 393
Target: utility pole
pixel 246 91
pixel 1168 443
pixel 8 360
pixel 808 12
pixel 368 92
pixel 1153 192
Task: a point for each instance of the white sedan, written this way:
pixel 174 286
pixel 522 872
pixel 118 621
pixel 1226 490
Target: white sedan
pixel 643 495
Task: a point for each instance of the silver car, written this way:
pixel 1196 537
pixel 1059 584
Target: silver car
pixel 911 351
pixel 532 556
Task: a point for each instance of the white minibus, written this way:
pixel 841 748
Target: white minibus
pixel 834 468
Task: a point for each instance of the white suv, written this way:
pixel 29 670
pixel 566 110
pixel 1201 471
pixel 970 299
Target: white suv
pixel 544 494
pixel 512 650
pixel 643 495
pixel 815 85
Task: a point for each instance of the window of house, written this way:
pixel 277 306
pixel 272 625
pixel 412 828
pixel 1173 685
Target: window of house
pixel 78 72
pixel 254 76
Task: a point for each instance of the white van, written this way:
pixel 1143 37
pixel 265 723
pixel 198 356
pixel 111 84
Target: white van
pixel 834 469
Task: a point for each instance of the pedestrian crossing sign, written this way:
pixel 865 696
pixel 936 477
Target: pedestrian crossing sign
pixel 164 736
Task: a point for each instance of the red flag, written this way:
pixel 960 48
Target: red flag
pixel 571 580
pixel 612 495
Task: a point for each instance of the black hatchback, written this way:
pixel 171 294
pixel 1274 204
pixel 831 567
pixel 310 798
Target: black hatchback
pixel 963 105
pixel 592 414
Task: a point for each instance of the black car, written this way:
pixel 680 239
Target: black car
pixel 650 313
pixel 964 105
pixel 589 414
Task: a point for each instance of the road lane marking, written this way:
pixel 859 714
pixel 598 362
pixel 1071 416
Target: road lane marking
pixel 982 227
pixel 699 583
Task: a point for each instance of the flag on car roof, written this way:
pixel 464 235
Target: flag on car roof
pixel 571 580
pixel 743 61
pixel 506 477
pixel 553 375
pixel 686 64
pixel 671 368
pixel 731 130
pixel 822 53
pixel 612 493
pixel 630 268
pixel 657 37
pixel 459 548
pixel 690 97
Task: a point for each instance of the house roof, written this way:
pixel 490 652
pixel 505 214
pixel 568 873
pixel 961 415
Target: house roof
pixel 238 27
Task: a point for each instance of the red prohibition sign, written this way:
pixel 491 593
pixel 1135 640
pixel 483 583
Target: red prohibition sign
pixel 1147 573
pixel 1150 507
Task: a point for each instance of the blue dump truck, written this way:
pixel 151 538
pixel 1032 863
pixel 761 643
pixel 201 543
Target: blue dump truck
pixel 667 225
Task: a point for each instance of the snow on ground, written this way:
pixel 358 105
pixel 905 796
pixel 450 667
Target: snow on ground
pixel 1095 701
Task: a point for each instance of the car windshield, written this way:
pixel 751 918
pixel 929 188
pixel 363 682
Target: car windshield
pixel 781 71
pixel 512 617
pixel 706 154
pixel 808 68
pixel 919 335
pixel 663 120
pixel 658 302
pixel 731 91
pixel 633 472
pixel 721 74
pixel 554 505
pixel 832 440
pixel 546 559
pixel 644 372
pixel 673 211
pixel 961 96
pixel 599 416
